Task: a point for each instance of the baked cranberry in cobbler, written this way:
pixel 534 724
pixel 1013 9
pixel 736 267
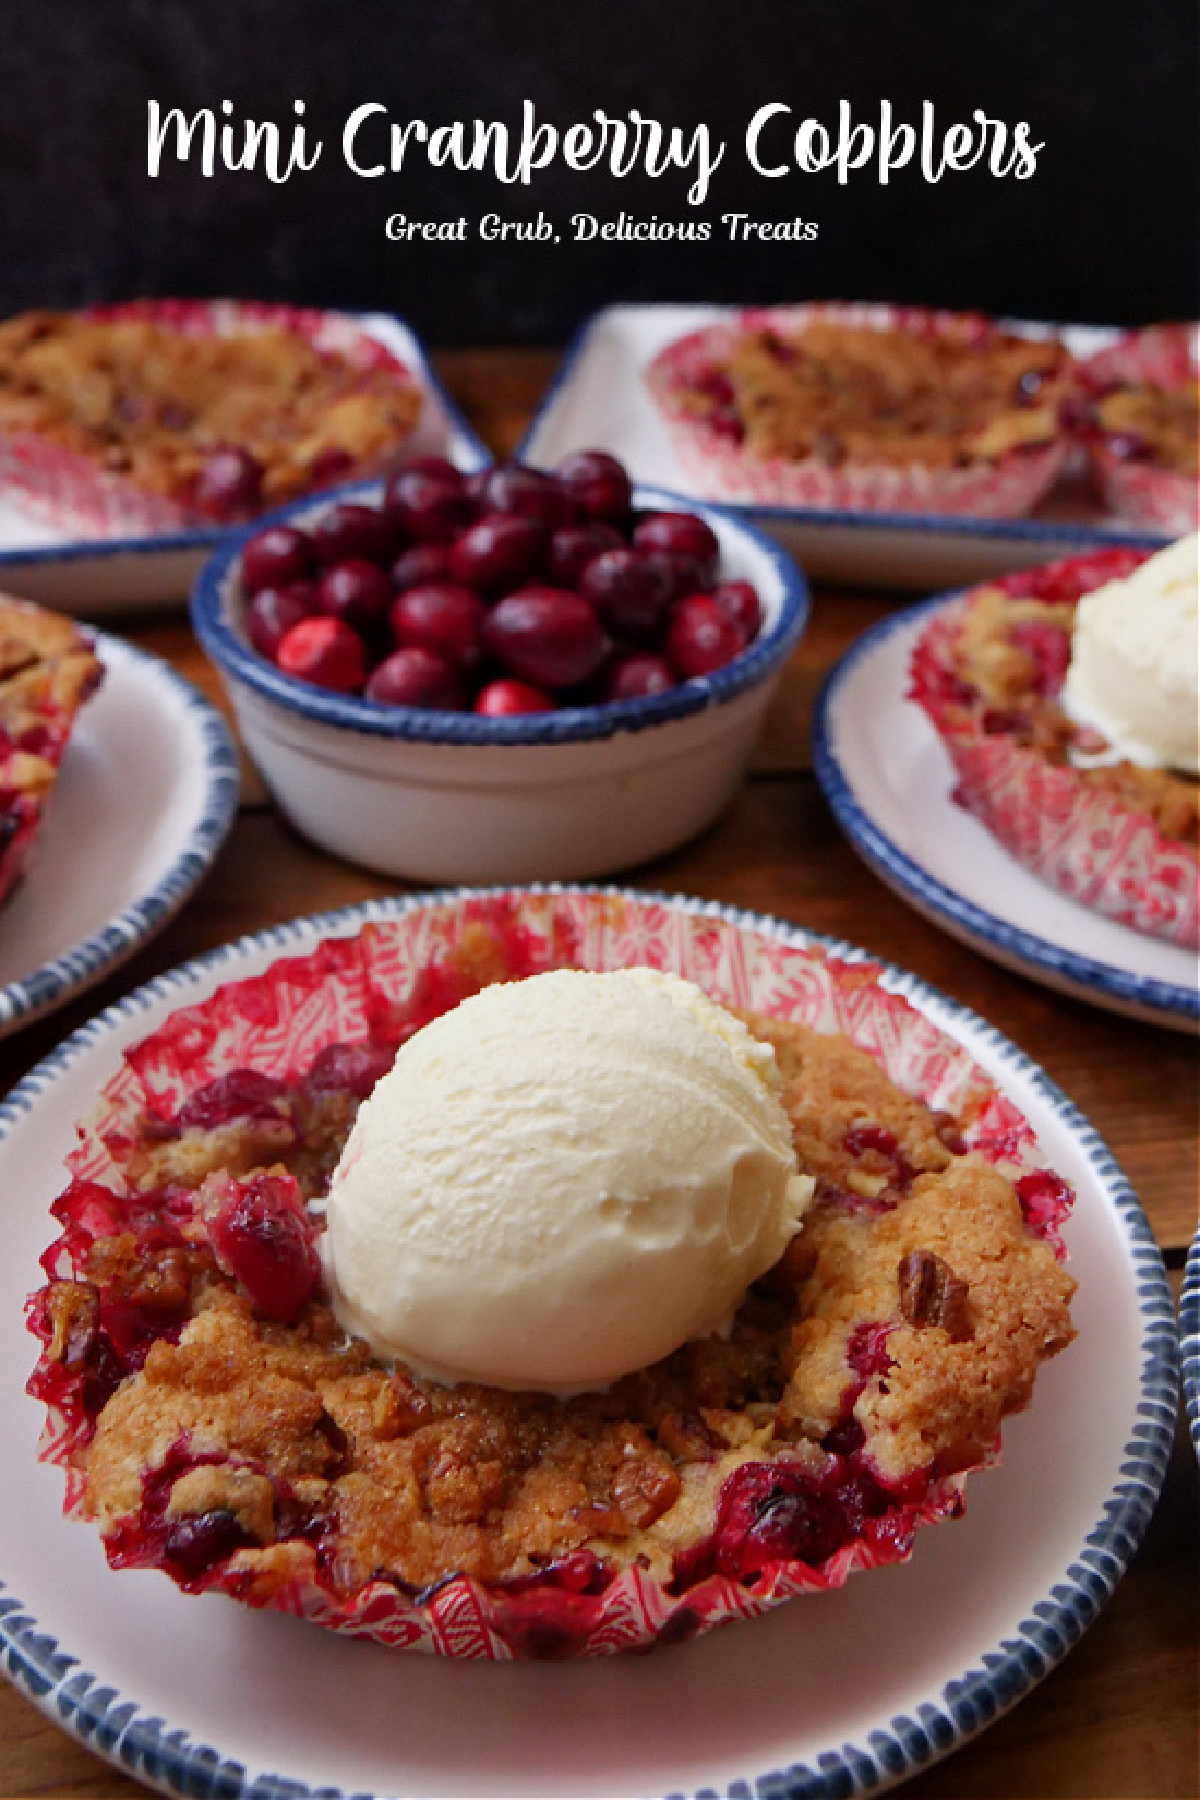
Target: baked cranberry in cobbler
pixel 223 1426
pixel 47 671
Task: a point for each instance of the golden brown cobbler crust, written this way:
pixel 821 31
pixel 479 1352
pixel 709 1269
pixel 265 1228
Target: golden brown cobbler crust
pixel 857 395
pixel 424 1480
pixel 148 403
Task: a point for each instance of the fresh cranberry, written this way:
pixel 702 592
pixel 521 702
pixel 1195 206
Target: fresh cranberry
pixel 597 483
pixel 357 591
pixel 229 485
pixel 504 698
pixel 329 465
pixel 431 506
pixel 683 574
pixel 514 488
pixel 326 652
pixel 349 533
pixel 274 610
pixel 498 551
pixel 739 600
pixel 682 534
pixel 629 592
pixel 416 676
pixel 638 676
pixel 262 1236
pixel 549 636
pixel 439 466
pixel 275 557
pixel 421 563
pixel 442 617
pixel 700 637
pixel 572 548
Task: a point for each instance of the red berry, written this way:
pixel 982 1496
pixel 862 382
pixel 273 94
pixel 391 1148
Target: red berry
pixel 357 591
pixel 549 636
pixel 513 488
pixel 497 551
pixel 431 506
pixel 683 574
pixel 503 698
pixel 349 533
pixel 275 557
pixel 700 638
pixel 682 534
pixel 229 485
pixel 421 563
pixel 738 600
pixel 572 548
pixel 325 652
pixel 329 466
pixel 637 677
pixel 442 617
pixel 416 676
pixel 261 1235
pixel 629 592
pixel 597 483
pixel 274 610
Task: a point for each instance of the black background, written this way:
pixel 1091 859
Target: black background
pixel 1105 231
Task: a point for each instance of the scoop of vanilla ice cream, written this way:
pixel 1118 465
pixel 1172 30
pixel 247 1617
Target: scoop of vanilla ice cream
pixel 1135 655
pixel 562 1180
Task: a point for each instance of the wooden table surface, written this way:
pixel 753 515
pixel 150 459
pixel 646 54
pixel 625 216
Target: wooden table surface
pixel 1118 1717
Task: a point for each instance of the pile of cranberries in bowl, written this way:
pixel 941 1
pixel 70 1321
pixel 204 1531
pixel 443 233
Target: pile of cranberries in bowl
pixel 507 591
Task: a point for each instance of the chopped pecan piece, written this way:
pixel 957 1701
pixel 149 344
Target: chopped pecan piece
pixel 72 1310
pixel 932 1294
pixel 644 1487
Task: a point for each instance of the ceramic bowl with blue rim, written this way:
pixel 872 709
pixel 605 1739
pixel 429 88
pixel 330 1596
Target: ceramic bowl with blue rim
pixel 437 795
pixel 839 1694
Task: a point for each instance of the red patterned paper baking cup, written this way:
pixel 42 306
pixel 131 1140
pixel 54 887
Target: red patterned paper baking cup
pixel 1077 836
pixel 276 1022
pixel 1137 492
pixel 75 494
pixel 722 469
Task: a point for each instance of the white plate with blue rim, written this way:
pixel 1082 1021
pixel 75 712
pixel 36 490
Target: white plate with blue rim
pixel 1189 1338
pixel 98 577
pixel 147 792
pixel 888 779
pixel 843 1694
pixel 599 400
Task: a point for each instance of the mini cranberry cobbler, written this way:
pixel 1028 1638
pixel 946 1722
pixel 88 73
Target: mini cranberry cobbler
pixel 216 1421
pixel 157 414
pixel 1116 831
pixel 871 408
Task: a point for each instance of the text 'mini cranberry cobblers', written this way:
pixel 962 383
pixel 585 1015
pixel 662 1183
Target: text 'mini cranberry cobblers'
pixel 218 1422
